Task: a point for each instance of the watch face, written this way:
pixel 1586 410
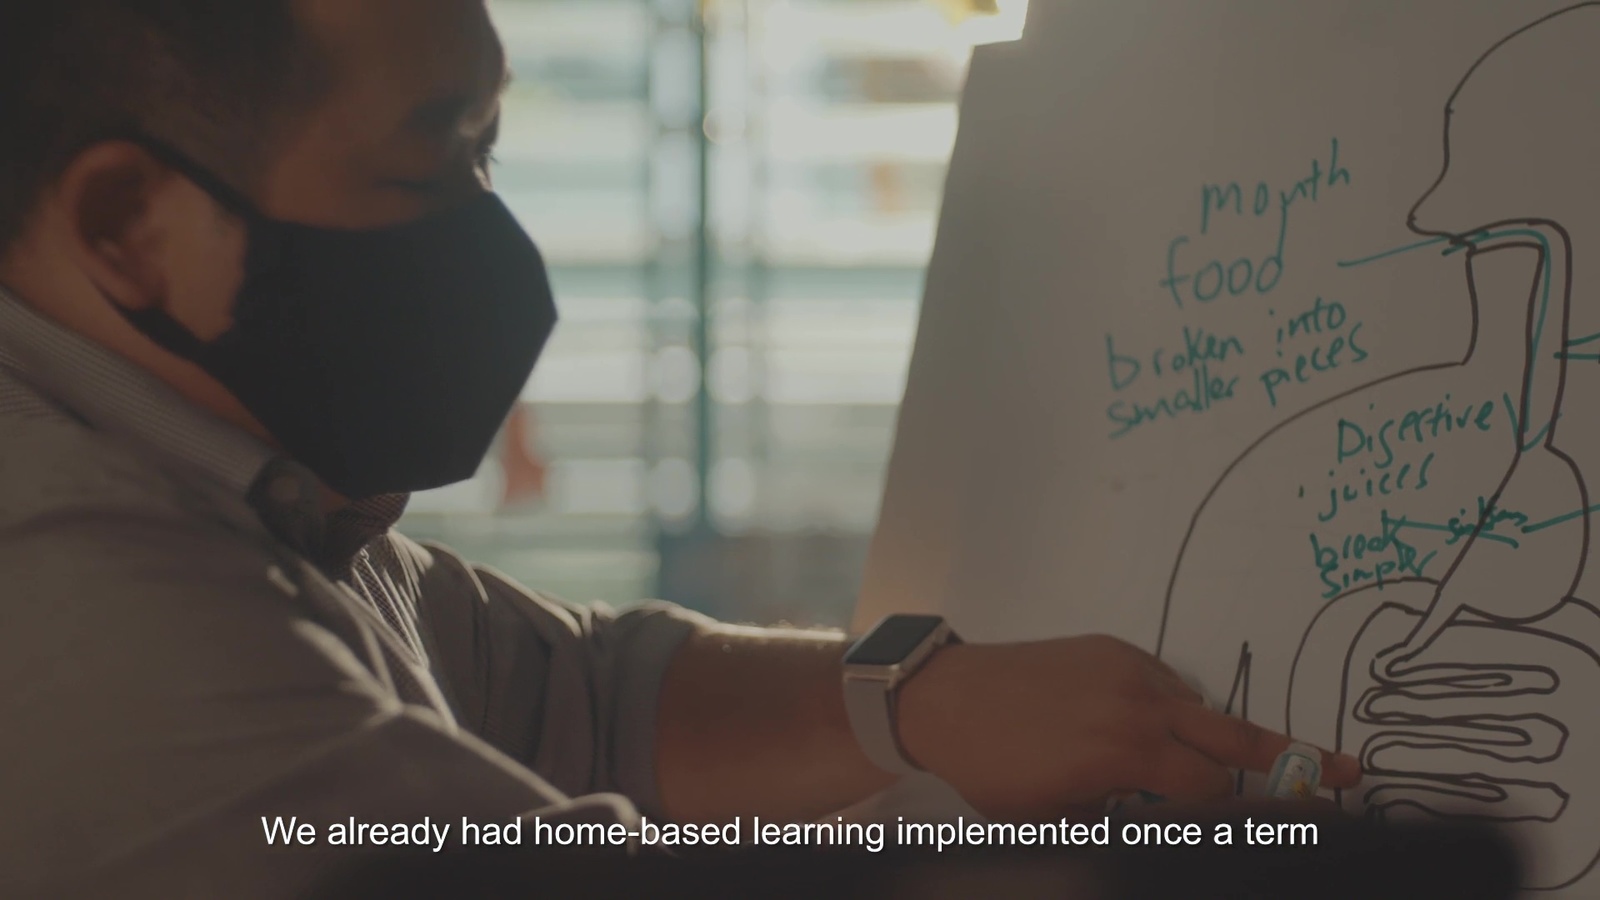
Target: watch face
pixel 893 640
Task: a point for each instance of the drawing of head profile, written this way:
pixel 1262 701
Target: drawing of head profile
pixel 1520 136
pixel 1518 143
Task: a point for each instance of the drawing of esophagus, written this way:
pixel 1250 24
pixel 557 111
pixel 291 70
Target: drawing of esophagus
pixel 1434 622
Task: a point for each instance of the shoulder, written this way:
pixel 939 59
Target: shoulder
pixel 53 466
pixel 129 589
pixel 154 660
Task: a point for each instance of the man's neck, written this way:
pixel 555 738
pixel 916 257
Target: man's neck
pixel 100 324
pixel 73 305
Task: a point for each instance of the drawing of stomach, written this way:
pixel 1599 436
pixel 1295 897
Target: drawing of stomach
pixel 1361 491
pixel 1492 722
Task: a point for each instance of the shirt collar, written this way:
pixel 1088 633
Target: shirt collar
pixel 115 396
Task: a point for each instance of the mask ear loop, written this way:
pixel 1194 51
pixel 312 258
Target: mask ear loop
pixel 231 199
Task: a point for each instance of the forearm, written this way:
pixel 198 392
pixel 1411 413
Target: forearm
pixel 752 722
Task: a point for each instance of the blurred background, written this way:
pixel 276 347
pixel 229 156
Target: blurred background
pixel 737 200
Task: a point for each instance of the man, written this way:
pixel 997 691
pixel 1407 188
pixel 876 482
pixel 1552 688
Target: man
pixel 255 290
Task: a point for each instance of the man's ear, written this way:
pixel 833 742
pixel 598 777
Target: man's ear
pixel 148 237
pixel 110 201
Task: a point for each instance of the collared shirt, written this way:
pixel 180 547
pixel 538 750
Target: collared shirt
pixel 190 649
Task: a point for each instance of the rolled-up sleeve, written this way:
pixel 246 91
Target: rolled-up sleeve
pixel 570 690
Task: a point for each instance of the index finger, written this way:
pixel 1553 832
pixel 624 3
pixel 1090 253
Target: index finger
pixel 1240 744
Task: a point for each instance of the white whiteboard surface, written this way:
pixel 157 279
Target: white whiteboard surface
pixel 1236 346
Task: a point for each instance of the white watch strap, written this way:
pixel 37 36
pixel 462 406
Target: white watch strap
pixel 870 704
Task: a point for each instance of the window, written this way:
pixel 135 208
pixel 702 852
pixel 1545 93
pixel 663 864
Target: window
pixel 717 405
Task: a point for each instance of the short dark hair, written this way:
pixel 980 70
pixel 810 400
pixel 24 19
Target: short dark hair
pixel 213 77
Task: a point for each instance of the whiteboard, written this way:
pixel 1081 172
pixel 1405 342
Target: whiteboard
pixel 1259 334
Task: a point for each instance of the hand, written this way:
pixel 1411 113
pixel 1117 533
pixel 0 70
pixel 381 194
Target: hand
pixel 1041 730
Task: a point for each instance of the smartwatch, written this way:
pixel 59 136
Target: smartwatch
pixel 874 669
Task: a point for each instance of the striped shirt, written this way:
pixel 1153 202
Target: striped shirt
pixel 188 645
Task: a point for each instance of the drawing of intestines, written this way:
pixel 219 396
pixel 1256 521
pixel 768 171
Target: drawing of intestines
pixel 1404 571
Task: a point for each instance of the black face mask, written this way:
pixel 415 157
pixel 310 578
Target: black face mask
pixel 385 361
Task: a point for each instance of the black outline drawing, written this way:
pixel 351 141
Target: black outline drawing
pixel 1393 672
